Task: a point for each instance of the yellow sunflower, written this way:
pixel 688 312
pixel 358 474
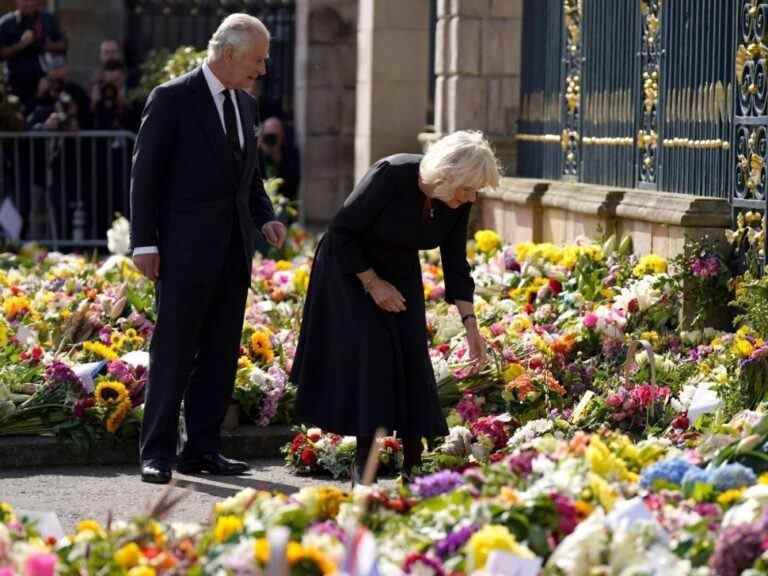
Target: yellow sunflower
pixel 100 350
pixel 110 393
pixel 117 417
pixel 298 554
pixel 261 346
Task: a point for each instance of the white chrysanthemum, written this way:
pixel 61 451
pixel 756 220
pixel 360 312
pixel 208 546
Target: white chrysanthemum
pixel 119 237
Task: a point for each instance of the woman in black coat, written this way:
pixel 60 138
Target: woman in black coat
pixel 362 360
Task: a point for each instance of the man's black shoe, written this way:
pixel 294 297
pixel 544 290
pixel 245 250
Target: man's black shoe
pixel 156 471
pixel 212 463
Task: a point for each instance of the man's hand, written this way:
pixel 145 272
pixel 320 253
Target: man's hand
pixel 274 232
pixel 28 38
pixel 149 265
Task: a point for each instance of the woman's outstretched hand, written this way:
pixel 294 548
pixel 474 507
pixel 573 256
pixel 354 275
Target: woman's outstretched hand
pixel 478 356
pixel 386 296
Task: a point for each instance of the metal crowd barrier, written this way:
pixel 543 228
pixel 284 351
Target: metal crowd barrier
pixel 67 186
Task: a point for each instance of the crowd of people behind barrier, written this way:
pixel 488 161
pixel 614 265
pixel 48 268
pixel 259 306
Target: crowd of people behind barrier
pixel 76 185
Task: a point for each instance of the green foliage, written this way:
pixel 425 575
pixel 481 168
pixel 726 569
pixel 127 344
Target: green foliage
pixel 752 302
pixel 162 66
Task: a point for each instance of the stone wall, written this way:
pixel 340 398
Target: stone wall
pixel 477 63
pixel 326 74
pixel 392 78
pixel 524 210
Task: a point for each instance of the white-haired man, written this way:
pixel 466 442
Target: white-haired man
pixel 196 198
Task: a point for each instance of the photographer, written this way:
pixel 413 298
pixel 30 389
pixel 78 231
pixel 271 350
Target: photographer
pixel 277 159
pixel 26 36
pixel 59 104
pixel 111 109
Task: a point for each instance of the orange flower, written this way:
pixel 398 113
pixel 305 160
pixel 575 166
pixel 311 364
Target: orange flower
pixel 554 385
pixel 523 385
pixel 562 346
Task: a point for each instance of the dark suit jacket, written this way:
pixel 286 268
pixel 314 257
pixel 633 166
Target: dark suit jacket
pixel 186 196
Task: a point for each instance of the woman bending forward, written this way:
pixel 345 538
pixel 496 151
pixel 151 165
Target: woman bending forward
pixel 362 360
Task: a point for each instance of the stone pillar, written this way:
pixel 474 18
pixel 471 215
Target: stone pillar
pixel 326 65
pixel 477 63
pixel 392 78
pixel 86 23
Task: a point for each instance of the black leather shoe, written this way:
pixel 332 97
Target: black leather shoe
pixel 156 471
pixel 213 463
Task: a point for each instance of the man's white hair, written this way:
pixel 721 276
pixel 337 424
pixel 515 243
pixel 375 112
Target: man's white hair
pixel 237 30
pixel 464 158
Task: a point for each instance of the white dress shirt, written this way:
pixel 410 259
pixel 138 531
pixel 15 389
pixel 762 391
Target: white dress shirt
pixel 217 93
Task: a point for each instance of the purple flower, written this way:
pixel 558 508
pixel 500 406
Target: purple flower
pixel 705 267
pixel 431 563
pixel 59 373
pixel 454 541
pixel 510 263
pixel 329 528
pixel 438 483
pixel 738 547
pixel 120 371
pixel 522 464
pixel 468 408
pixel 105 335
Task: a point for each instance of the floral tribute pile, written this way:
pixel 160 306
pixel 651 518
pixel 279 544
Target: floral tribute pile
pixel 552 503
pixel 619 428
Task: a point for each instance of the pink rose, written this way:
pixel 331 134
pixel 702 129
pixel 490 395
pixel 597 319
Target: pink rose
pixel 497 329
pixel 40 564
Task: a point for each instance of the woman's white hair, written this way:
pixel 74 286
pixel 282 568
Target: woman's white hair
pixel 237 30
pixel 464 158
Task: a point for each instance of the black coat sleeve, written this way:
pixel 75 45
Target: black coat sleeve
pixel 150 165
pixel 366 202
pixel 453 252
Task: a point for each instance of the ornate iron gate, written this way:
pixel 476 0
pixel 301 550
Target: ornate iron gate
pixel 154 24
pixel 637 93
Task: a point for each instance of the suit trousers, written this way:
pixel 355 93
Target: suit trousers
pixel 193 356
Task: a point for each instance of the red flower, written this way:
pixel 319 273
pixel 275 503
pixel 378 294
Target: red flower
pixel 297 442
pixel 681 422
pixel 308 457
pixel 555 287
pixel 15 290
pixel 497 457
pixel 529 309
pixel 633 306
pixel 392 444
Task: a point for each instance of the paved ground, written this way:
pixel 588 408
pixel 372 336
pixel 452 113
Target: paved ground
pixel 93 491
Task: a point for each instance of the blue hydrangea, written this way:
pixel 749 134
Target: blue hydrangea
pixel 695 475
pixel 672 471
pixel 732 476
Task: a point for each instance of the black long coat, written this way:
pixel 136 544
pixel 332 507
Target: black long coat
pixel 358 367
pixel 201 207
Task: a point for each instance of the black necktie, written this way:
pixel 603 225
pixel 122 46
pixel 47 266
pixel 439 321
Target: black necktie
pixel 230 121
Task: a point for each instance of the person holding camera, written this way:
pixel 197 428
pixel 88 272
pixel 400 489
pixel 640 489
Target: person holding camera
pixel 26 36
pixel 277 159
pixel 110 106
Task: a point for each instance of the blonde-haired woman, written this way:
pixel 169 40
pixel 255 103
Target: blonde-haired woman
pixel 362 360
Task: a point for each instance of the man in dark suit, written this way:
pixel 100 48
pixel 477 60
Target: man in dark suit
pixel 196 198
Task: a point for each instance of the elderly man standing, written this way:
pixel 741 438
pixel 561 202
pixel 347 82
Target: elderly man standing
pixel 196 197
